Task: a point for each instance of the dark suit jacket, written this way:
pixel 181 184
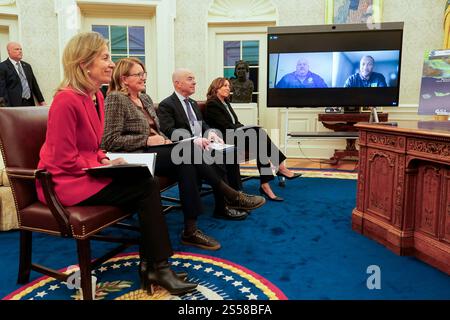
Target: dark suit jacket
pixel 172 116
pixel 10 86
pixel 218 117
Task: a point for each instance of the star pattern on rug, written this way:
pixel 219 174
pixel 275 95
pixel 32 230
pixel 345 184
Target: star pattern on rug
pixel 118 279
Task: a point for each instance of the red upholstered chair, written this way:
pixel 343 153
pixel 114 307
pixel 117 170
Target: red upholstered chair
pixel 22 133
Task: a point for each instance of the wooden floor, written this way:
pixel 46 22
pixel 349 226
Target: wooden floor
pixel 348 165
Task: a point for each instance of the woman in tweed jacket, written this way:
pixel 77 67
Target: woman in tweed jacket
pixel 131 125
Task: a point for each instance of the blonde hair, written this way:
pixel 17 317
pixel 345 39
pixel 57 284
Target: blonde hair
pixel 122 69
pixel 215 85
pixel 83 48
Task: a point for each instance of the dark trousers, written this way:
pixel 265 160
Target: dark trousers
pixel 189 176
pixel 234 178
pixel 28 102
pixel 141 194
pixel 265 153
pixel 271 153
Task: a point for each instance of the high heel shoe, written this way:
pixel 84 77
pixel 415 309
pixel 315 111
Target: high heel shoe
pixel 143 269
pixel 261 191
pixel 296 175
pixel 163 276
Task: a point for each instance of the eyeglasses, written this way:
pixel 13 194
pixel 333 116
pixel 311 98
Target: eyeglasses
pixel 142 75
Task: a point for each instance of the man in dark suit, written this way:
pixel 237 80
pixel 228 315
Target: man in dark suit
pixel 18 85
pixel 178 111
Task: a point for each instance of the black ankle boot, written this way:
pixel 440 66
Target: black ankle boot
pixel 143 268
pixel 162 275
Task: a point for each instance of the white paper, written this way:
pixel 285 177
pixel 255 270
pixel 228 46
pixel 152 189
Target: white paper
pixel 187 139
pixel 149 159
pixel 220 146
pixel 248 127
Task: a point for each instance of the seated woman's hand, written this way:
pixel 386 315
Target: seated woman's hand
pixel 155 140
pixel 113 162
pixel 118 161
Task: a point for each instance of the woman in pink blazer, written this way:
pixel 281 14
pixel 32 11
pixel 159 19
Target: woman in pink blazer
pixel 74 132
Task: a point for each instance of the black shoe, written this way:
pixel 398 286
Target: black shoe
pixel 163 276
pixel 261 190
pixel 144 268
pixel 296 175
pixel 232 214
pixel 200 240
pixel 245 202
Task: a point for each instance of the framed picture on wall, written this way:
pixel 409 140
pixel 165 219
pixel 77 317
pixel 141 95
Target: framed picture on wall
pixel 353 11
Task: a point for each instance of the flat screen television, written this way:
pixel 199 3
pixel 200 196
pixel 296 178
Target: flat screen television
pixel 348 65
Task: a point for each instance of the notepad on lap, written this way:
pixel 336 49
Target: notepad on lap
pixel 148 159
pixel 137 164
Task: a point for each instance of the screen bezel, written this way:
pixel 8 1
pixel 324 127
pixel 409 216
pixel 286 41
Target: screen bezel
pixel 353 97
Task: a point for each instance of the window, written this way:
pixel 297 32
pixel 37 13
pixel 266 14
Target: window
pixel 124 41
pixel 242 50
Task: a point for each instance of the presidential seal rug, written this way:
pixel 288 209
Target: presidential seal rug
pixel 117 279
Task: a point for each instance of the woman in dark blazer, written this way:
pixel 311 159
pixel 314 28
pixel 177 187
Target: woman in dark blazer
pixel 220 115
pixel 74 132
pixel 131 125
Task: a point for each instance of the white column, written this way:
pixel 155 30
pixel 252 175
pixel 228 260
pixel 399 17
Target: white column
pixel 165 47
pixel 69 23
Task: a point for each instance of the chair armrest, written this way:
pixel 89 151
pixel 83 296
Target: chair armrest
pixel 59 212
pixel 21 173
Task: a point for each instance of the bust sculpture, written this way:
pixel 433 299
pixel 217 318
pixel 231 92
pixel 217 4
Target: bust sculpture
pixel 241 86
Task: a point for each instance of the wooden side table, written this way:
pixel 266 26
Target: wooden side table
pixel 345 122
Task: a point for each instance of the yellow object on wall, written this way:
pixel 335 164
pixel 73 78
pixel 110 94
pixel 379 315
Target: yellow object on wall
pixel 447 25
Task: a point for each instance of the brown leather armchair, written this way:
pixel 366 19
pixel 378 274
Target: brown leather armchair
pixel 22 133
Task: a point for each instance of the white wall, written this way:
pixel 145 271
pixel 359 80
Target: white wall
pixel 183 42
pixel 39 38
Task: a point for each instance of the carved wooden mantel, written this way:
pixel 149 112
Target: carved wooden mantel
pixel 403 198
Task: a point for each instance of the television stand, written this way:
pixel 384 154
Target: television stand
pixel 345 122
pixel 351 109
pixel 373 115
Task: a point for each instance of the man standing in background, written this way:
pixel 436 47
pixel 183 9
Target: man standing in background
pixel 18 86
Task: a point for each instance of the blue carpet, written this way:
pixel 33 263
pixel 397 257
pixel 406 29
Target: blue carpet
pixel 304 246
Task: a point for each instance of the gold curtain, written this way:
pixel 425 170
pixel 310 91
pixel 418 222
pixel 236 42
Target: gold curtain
pixel 447 25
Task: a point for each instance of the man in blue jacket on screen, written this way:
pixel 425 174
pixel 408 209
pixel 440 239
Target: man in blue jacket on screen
pixel 366 77
pixel 301 78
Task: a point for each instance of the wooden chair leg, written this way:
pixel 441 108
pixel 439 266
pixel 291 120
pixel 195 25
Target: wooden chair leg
pixel 84 259
pixel 25 257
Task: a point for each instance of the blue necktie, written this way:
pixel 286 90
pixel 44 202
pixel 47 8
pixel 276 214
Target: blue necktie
pixel 193 122
pixel 26 94
pixel 190 113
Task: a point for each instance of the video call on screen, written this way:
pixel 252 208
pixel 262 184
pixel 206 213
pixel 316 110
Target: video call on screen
pixel 324 69
pixel 333 67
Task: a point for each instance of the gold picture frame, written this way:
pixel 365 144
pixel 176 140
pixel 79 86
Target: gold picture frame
pixel 348 11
